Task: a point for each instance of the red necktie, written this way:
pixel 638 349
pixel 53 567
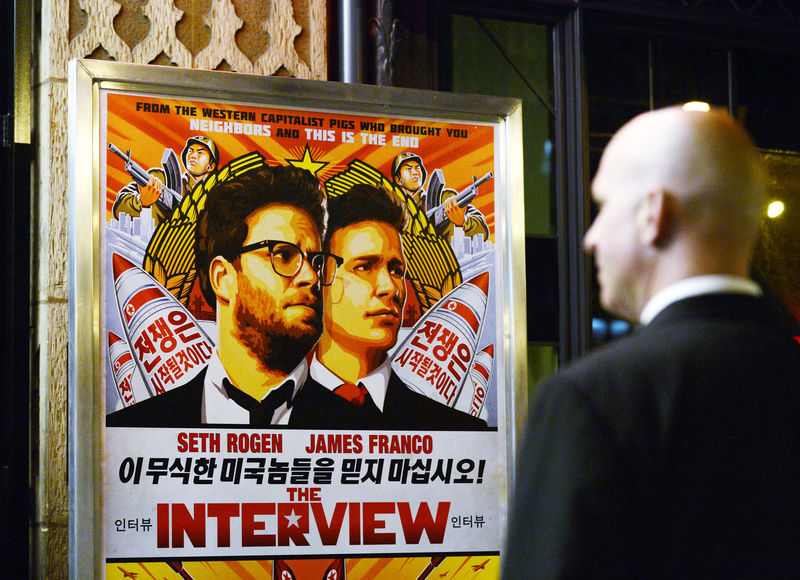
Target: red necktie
pixel 356 394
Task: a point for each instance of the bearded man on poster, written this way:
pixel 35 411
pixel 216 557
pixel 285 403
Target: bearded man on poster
pixel 260 266
pixel 363 310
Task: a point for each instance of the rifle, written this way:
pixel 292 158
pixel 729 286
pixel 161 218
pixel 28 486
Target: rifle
pixel 169 161
pixel 437 215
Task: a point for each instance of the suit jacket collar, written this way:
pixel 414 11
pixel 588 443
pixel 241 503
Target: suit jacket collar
pixel 711 306
pixel 218 406
pixel 695 286
pixel 317 407
pixel 376 382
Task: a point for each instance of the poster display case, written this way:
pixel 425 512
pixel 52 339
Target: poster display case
pixel 170 475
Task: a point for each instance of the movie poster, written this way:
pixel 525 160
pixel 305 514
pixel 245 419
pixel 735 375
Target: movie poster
pixel 193 484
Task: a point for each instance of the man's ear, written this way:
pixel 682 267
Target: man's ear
pixel 222 276
pixel 654 217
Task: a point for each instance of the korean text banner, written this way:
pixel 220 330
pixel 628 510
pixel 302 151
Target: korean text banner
pixel 304 364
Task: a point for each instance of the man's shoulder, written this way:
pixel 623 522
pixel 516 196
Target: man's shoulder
pixel 647 346
pixel 611 380
pixel 406 408
pixel 705 341
pixel 312 393
pixel 178 407
pixel 619 355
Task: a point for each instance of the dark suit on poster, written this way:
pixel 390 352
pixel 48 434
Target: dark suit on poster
pixel 178 407
pixel 672 453
pixel 314 407
pixel 403 408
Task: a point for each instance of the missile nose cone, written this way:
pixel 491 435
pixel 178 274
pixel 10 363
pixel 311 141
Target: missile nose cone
pixel 489 350
pixel 481 281
pixel 113 338
pixel 119 264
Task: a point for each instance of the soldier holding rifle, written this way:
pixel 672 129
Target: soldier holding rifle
pixel 409 174
pixel 163 188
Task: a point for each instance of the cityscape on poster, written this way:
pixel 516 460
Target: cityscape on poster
pixel 162 157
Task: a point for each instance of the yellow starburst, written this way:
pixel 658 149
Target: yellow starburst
pixel 307 162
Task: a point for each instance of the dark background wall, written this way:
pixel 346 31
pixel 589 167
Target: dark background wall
pixel 16 499
pixel 585 67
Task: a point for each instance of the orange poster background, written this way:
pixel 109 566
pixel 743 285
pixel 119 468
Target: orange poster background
pixel 147 134
pixel 131 124
pixel 452 568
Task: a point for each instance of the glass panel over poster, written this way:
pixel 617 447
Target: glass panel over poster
pixel 297 326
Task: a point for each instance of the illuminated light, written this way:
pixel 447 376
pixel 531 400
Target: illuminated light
pixel 697 106
pixel 619 328
pixel 775 209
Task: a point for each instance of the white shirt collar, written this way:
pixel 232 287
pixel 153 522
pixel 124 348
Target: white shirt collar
pixel 710 284
pixel 219 408
pixel 376 383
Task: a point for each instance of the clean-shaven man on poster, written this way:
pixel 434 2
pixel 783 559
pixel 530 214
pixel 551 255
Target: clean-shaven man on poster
pixel 259 264
pixel 363 310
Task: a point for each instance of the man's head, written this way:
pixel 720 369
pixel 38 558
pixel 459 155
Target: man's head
pixel 256 239
pixel 408 172
pixel 364 305
pixel 681 193
pixel 200 156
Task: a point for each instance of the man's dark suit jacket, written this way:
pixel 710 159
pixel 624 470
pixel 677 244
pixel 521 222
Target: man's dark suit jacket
pixel 673 453
pixel 404 409
pixel 314 407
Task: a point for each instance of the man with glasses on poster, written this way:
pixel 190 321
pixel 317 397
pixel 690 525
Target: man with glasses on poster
pixel 259 264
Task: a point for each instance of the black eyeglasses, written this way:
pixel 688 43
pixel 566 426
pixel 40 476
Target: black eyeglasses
pixel 287 259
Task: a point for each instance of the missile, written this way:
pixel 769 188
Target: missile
pixel 435 357
pixel 169 347
pixel 336 571
pixel 473 401
pixel 282 571
pixel 122 368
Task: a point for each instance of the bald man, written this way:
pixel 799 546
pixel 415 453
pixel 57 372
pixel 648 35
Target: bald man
pixel 675 452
